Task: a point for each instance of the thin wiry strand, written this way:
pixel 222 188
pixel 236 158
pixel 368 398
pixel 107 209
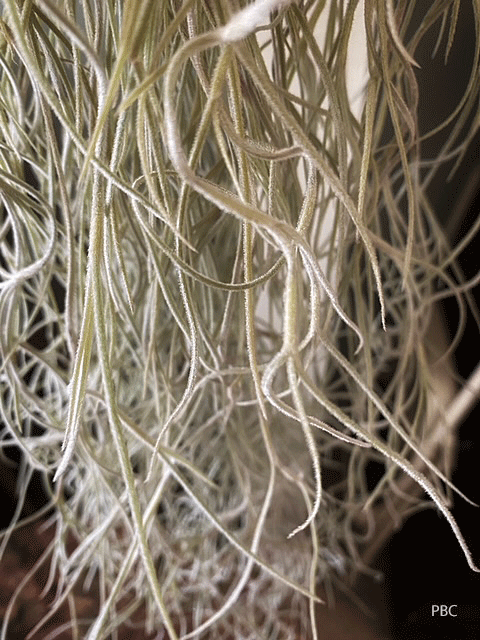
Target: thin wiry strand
pixel 218 278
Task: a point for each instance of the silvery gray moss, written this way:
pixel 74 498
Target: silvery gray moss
pixel 217 284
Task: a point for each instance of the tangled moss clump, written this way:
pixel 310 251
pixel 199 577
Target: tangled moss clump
pixel 218 278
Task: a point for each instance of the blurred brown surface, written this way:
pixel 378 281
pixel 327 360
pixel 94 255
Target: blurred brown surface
pixel 341 622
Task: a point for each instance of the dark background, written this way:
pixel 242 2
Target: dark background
pixel 423 562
